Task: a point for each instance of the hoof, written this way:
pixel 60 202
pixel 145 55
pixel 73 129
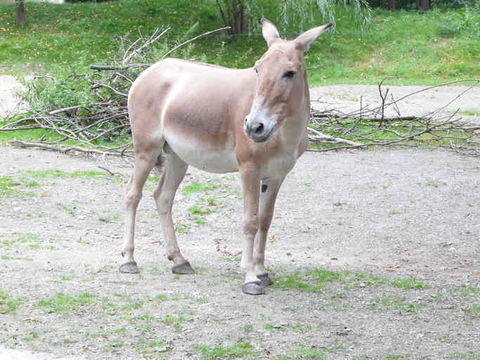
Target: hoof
pixel 183 268
pixel 253 288
pixel 129 268
pixel 265 279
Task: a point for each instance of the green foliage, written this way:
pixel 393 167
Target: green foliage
pixel 66 89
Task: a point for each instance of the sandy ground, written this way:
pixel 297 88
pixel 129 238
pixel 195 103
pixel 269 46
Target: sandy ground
pixel 392 215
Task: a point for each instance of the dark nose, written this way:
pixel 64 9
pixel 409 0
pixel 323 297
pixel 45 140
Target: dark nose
pixel 255 128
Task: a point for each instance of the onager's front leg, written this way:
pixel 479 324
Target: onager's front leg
pixel 251 191
pixel 268 195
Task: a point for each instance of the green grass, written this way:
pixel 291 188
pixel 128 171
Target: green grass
pixel 473 311
pixel 465 356
pixel 52 173
pixel 205 202
pixel 24 241
pixel 304 353
pixel 7 257
pixel 315 280
pixel 62 303
pixel 466 290
pixel 415 47
pixel 12 186
pixel 394 302
pixel 469 113
pixel 239 350
pixel 30 336
pixel 198 187
pixel 198 209
pixel 174 320
pixel 8 303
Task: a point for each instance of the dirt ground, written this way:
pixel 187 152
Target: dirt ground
pixel 375 255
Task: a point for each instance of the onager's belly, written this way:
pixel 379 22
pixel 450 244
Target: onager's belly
pixel 203 157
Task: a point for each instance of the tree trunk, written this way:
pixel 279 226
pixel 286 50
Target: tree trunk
pixel 20 12
pixel 234 14
pixel 392 4
pixel 424 4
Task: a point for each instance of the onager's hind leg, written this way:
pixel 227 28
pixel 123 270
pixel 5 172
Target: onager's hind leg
pixel 173 173
pixel 144 162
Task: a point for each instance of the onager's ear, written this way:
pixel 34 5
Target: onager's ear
pixel 304 40
pixel 269 31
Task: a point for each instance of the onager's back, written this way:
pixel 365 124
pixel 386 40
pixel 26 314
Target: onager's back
pixel 221 120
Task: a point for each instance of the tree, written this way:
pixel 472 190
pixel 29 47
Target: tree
pixel 238 13
pixel 423 4
pixel 234 14
pixel 20 12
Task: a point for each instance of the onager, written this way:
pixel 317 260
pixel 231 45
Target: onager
pixel 221 120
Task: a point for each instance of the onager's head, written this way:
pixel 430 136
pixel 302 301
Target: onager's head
pixel 281 81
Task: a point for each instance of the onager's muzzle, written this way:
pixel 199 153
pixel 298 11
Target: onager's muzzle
pixel 258 125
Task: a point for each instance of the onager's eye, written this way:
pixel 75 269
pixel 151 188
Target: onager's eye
pixel 289 75
pixel 256 70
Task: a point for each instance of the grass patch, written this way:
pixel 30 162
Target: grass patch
pixel 473 311
pixel 466 290
pixel 469 113
pixel 308 280
pixel 315 280
pixel 205 204
pixel 10 186
pixel 198 209
pixel 7 257
pixel 394 302
pixel 8 303
pixel 30 336
pixel 239 350
pixel 25 241
pixel 465 356
pixel 174 320
pixel 110 218
pixel 304 353
pixel 50 174
pixel 198 187
pixel 62 303
pixel 181 227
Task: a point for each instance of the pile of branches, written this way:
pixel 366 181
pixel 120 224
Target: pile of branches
pixel 100 124
pixel 369 126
